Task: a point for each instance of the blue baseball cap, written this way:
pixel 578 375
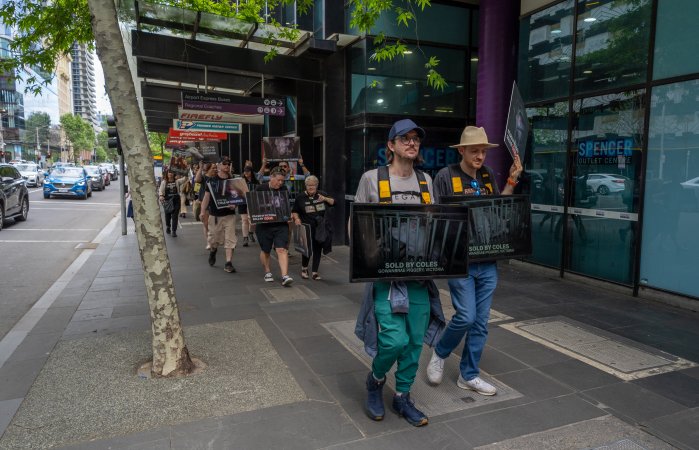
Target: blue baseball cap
pixel 404 126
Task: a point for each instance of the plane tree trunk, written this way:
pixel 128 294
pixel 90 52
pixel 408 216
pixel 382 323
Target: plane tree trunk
pixel 170 354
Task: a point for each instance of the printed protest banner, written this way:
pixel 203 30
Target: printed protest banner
pixel 268 206
pixel 230 192
pixel 301 235
pixel 178 162
pixel 281 148
pixel 408 242
pixel 517 127
pixel 206 151
pixel 499 226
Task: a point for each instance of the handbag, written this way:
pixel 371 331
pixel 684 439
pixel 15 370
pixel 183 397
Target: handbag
pixel 169 205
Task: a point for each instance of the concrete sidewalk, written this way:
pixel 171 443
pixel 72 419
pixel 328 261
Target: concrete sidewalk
pixel 577 366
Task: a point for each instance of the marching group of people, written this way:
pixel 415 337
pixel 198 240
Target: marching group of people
pixel 220 223
pixel 393 331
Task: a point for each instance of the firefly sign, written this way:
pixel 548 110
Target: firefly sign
pixel 215 127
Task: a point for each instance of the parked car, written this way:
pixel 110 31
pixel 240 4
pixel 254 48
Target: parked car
pixel 32 173
pixel 14 197
pixel 97 176
pixel 68 181
pixel 112 169
pixel 605 183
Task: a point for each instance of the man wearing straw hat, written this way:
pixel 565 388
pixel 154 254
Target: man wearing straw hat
pixel 471 296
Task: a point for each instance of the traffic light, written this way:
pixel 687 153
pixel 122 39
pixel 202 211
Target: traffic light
pixel 113 135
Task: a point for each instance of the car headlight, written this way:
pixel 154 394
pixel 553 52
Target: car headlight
pixel 81 183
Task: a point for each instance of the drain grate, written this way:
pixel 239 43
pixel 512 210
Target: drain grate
pixel 432 400
pixel 611 353
pixel 289 294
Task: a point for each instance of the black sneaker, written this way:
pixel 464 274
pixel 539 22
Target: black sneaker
pixel 374 401
pixel 252 237
pixel 245 241
pixel 229 267
pixel 167 230
pixel 212 257
pixel 404 407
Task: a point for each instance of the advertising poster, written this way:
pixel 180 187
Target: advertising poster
pixel 499 226
pixel 408 242
pixel 517 127
pixel 281 148
pixel 268 206
pixel 230 192
pixel 301 235
pixel 178 162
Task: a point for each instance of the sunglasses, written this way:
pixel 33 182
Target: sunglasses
pixel 476 187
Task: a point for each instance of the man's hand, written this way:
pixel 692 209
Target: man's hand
pixel 516 169
pixel 301 161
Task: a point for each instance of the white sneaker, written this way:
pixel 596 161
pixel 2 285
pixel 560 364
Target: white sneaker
pixel 478 385
pixel 268 277
pixel 435 369
pixel 287 280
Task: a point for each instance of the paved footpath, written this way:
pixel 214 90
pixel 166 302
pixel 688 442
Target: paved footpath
pixel 577 366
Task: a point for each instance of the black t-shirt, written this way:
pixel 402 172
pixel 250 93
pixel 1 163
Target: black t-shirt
pixel 310 209
pixel 171 189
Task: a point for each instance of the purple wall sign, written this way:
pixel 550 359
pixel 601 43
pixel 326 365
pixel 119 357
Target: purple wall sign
pixel 234 104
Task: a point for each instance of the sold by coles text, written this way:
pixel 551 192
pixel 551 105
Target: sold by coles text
pixel 489 248
pixel 411 266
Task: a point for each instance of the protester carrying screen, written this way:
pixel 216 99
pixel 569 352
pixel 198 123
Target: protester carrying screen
pixel 394 317
pixel 310 208
pixel 471 296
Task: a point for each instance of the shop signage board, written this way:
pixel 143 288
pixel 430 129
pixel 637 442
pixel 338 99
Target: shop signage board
pixel 215 127
pixel 408 242
pixel 208 116
pixel 196 135
pixel 233 104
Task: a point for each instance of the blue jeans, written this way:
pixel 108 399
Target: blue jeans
pixel 471 298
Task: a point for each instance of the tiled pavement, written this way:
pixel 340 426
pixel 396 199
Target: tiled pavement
pixel 560 403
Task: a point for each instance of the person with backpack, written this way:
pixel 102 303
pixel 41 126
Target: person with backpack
pixel 471 296
pixel 396 337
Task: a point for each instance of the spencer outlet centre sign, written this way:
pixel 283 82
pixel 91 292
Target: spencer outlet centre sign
pixel 605 151
pixel 233 104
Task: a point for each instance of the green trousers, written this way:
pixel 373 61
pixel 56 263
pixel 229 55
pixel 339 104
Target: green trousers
pixel 400 335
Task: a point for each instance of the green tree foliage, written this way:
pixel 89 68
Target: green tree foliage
pixel 100 154
pixel 157 143
pixel 365 13
pixel 110 154
pixel 79 133
pixel 40 121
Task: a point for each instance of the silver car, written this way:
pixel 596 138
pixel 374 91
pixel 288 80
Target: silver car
pixel 32 173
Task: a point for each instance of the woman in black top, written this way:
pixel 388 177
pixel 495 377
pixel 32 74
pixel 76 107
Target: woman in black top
pixel 169 193
pixel 248 227
pixel 310 207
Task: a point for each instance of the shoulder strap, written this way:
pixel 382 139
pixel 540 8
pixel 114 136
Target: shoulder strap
pixel 485 176
pixel 456 185
pixel 424 189
pixel 384 185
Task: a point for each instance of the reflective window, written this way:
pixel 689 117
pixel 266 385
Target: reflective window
pixel 671 204
pixel 612 43
pixel 606 147
pixel 676 38
pixel 546 170
pixel 546 50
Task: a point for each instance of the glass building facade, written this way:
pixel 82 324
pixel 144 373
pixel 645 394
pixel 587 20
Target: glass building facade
pixel 612 94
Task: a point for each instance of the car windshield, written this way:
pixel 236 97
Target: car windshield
pixel 92 170
pixel 26 167
pixel 68 172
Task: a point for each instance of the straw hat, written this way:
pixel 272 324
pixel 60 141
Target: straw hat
pixel 473 136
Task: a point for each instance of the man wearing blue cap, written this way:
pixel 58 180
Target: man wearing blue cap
pixel 391 335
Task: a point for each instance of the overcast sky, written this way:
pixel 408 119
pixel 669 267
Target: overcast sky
pixel 103 106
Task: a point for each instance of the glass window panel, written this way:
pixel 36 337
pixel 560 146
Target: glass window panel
pixel 355 147
pixel 546 49
pixel 549 143
pixel 612 43
pixel 607 142
pixel 676 38
pixel 474 79
pixel 437 23
pixel 671 204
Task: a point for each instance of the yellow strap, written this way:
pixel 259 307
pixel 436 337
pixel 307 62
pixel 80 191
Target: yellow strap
pixel 384 189
pixel 456 185
pixel 426 198
pixel 490 187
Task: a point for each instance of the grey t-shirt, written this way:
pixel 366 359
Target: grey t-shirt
pixel 403 189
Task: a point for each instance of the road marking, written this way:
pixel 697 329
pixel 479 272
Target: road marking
pixel 73 202
pixel 23 241
pixel 24 326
